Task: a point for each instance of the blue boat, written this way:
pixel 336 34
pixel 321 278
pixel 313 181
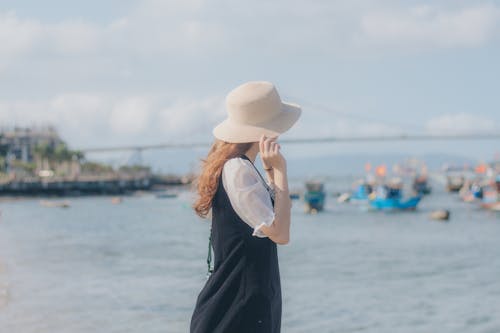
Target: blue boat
pixel 314 197
pixel 362 192
pixel 388 198
pixel 395 203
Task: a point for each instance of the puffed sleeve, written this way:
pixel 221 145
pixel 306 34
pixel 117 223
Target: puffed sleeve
pixel 248 194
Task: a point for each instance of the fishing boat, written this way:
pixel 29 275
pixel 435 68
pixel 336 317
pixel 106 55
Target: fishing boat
pixel 50 203
pixel 166 195
pixel 491 199
pixel 440 215
pixel 344 197
pixel 361 192
pixel 491 195
pixel 454 183
pixel 116 200
pixel 421 185
pixel 386 197
pixel 395 203
pixel 314 197
pixel 471 191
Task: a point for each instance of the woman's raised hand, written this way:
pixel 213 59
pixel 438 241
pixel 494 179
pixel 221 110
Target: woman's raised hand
pixel 270 153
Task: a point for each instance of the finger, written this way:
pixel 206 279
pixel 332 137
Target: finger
pixel 264 140
pixel 261 142
pixel 267 145
pixel 272 147
pixel 276 148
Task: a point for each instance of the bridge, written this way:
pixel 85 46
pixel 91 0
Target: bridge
pixel 331 139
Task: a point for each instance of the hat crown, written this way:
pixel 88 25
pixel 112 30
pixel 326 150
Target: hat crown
pixel 253 103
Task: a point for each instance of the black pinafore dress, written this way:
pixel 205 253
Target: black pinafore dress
pixel 243 294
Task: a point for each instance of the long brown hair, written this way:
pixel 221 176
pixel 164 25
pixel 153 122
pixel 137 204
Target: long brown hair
pixel 206 182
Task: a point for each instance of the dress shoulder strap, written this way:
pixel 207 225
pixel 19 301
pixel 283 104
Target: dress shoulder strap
pixel 269 189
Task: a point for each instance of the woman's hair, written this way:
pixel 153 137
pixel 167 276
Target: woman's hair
pixel 206 182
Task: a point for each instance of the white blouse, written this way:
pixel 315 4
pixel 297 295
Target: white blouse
pixel 249 194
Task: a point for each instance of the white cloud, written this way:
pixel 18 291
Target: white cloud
pixel 16 36
pixel 74 36
pixel 21 37
pixel 460 123
pixel 79 117
pixel 156 28
pixel 131 116
pixel 191 117
pixel 90 119
pixel 430 27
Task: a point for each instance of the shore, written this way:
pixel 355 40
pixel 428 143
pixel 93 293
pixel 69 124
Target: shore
pixel 88 185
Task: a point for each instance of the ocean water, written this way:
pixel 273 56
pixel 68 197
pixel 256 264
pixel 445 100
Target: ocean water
pixel 138 266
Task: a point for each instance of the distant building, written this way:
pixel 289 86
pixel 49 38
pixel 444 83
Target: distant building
pixel 19 142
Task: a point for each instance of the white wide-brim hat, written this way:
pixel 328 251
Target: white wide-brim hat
pixel 255 108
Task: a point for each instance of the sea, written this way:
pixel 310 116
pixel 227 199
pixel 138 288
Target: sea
pixel 138 266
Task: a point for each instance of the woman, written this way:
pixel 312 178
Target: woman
pixel 249 214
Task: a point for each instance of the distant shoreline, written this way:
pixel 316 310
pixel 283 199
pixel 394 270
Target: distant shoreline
pixel 39 195
pixel 89 185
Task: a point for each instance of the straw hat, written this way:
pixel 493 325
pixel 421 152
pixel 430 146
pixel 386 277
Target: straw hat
pixel 255 108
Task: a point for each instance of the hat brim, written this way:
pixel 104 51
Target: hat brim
pixel 236 133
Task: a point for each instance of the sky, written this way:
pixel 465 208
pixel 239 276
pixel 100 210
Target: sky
pixel 112 73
